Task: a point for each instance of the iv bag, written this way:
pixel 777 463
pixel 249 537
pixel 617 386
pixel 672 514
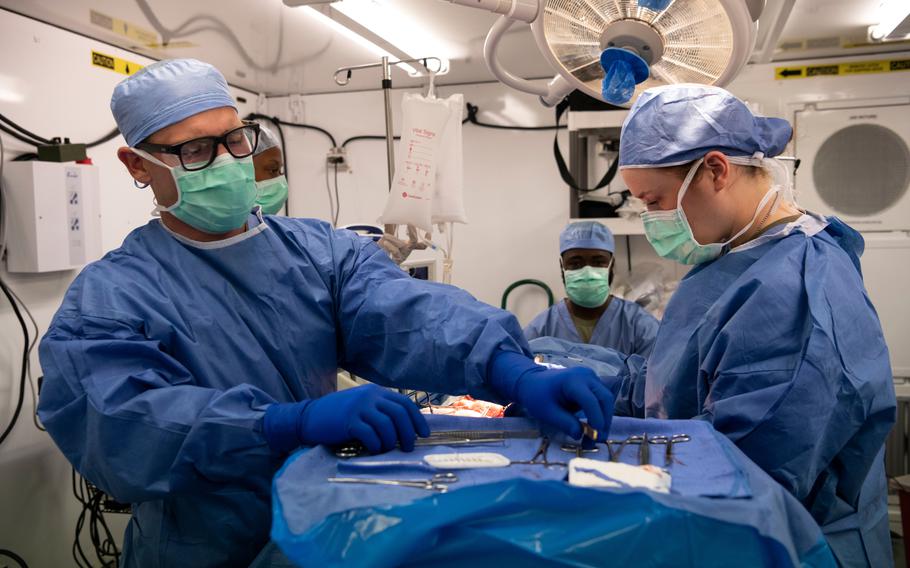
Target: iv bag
pixel 448 200
pixel 414 182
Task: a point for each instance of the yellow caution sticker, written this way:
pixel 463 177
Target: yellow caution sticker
pixel 789 72
pixel 115 64
pixel 841 69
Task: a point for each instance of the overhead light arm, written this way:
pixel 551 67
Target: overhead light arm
pixel 522 10
pixel 549 94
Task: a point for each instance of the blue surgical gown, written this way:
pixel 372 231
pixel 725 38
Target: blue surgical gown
pixel 624 326
pixel 778 345
pixel 165 353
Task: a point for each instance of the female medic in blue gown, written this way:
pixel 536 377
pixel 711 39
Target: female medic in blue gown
pixel 771 336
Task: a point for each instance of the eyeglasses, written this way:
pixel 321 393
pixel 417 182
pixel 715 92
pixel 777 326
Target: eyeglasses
pixel 199 153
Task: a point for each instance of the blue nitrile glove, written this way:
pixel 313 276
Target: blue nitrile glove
pixel 554 395
pixel 377 417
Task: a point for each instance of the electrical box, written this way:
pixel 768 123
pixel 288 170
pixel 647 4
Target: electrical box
pixel 53 215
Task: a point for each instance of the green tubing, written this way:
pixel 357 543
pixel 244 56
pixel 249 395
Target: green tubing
pixel 505 295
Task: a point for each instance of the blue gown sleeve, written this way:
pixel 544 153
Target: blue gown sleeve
pixel 630 394
pixel 800 350
pixel 127 415
pixel 536 327
pixel 406 333
pixel 646 327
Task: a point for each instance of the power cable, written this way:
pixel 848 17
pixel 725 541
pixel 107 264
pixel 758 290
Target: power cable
pixel 20 137
pixel 276 120
pixel 24 373
pixel 337 199
pixel 25 132
pixel 14 557
pixel 328 191
pixel 472 118
pixel 23 135
pixel 92 500
pixel 219 27
pixel 365 137
pixel 2 202
pixel 106 138
pixel 31 348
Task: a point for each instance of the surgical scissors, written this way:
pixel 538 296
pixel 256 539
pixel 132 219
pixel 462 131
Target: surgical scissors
pixel 439 482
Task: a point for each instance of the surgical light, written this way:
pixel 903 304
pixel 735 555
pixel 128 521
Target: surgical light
pixel 664 41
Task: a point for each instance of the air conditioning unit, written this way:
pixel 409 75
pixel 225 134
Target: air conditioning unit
pixel 856 158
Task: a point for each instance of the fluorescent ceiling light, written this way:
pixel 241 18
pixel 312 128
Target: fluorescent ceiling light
pixel 357 38
pixel 398 28
pixel 890 15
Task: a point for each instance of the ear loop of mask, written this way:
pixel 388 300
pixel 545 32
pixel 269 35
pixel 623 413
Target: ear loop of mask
pixel 683 189
pixel 772 193
pixel 156 212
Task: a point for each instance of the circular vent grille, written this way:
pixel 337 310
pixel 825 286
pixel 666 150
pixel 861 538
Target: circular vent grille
pixel 862 169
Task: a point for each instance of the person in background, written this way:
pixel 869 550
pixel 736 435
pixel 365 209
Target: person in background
pixel 771 336
pixel 183 367
pixel 591 314
pixel 268 162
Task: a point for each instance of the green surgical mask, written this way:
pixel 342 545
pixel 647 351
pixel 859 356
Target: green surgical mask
pixel 588 286
pixel 671 235
pixel 272 193
pixel 216 199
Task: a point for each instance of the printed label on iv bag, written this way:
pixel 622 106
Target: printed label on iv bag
pixel 414 182
pixel 418 173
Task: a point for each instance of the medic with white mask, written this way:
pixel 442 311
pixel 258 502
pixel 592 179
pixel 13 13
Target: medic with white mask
pixel 183 367
pixel 770 336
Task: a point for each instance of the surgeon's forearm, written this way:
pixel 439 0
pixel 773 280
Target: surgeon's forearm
pixel 629 388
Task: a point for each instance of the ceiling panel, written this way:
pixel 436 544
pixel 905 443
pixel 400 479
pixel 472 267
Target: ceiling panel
pixel 267 47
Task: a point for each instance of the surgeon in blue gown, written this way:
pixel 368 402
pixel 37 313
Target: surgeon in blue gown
pixel 184 367
pixel 591 314
pixel 771 335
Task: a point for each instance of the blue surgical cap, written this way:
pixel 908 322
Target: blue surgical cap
pixel 586 235
pixel 677 124
pixel 164 93
pixel 267 140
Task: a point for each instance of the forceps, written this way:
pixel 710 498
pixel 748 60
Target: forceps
pixel 439 482
pixel 669 441
pixel 540 458
pixel 614 456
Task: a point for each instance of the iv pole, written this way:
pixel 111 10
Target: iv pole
pixel 386 66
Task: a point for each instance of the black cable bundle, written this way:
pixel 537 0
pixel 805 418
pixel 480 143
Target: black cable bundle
pixel 278 122
pixel 472 118
pixel 29 137
pixel 24 373
pixel 14 557
pixel 92 500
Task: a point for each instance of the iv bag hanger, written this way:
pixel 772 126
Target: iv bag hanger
pixel 386 66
